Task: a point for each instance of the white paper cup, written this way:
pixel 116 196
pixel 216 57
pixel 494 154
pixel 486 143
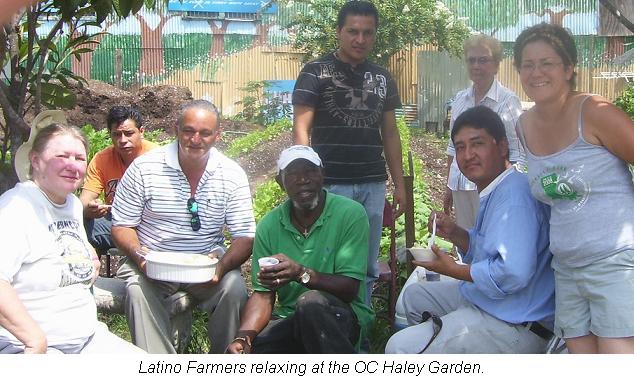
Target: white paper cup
pixel 267 261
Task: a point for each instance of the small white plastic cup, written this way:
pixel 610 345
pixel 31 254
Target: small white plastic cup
pixel 267 261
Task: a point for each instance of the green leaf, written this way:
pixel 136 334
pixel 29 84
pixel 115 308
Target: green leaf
pixel 103 8
pixel 57 96
pixel 125 6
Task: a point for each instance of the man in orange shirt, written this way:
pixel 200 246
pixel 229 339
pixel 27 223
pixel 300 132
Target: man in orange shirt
pixel 125 126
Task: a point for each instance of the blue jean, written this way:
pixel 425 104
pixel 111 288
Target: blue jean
pixel 99 233
pixel 372 197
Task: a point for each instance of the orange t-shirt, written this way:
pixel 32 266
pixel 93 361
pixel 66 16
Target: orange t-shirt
pixel 106 169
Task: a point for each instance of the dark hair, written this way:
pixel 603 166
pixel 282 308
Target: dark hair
pixel 357 8
pixel 119 114
pixel 481 117
pixel 198 104
pixel 555 36
pixel 45 134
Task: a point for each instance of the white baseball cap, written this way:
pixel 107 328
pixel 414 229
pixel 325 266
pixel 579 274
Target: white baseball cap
pixel 297 152
pixel 45 118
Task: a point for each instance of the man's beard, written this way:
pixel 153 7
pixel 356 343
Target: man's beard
pixel 307 206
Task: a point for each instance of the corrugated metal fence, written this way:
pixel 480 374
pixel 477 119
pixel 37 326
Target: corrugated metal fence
pixel 216 58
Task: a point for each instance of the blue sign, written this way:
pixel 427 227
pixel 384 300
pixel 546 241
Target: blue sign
pixel 233 6
pixel 280 86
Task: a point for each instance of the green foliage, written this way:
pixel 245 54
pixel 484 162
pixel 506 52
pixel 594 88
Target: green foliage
pixel 422 201
pixel 260 106
pixel 244 145
pixel 402 24
pixel 117 324
pixel 97 140
pixel 199 340
pixel 626 101
pixel 252 102
pixel 158 137
pixel 267 196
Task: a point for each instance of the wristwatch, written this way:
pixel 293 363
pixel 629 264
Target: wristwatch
pixel 304 278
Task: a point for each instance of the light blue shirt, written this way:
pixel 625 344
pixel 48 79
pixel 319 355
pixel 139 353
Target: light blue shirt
pixel 509 255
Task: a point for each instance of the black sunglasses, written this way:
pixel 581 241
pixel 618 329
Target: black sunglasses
pixel 192 207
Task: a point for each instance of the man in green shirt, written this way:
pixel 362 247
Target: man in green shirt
pixel 321 241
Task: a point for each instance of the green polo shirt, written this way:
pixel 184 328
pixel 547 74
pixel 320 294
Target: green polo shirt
pixel 337 244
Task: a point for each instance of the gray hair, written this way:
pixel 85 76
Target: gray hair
pixel 486 41
pixel 198 104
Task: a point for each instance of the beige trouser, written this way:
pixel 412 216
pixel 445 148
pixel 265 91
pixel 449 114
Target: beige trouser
pixel 149 319
pixel 465 327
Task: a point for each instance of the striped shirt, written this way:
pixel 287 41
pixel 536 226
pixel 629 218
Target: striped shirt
pixel 349 105
pixel 152 197
pixel 507 105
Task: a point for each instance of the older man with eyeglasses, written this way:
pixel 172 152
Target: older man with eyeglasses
pixel 180 198
pixel 483 55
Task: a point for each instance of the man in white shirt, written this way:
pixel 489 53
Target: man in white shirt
pixel 482 55
pixel 179 198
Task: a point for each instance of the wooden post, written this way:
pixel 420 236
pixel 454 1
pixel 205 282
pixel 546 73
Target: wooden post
pixel 410 227
pixel 591 67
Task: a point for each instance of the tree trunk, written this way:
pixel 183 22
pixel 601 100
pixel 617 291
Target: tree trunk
pixel 152 62
pixel 556 18
pixel 218 43
pixel 262 31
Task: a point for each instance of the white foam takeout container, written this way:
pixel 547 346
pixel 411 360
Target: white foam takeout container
pixel 422 254
pixel 180 267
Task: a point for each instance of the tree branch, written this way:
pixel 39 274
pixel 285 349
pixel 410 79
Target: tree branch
pixel 618 14
pixel 44 54
pixel 30 62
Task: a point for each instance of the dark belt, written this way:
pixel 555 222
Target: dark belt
pixel 539 329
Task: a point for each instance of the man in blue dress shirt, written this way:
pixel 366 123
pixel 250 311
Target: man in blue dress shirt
pixel 501 300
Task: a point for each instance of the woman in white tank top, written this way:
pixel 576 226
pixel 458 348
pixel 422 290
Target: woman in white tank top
pixel 578 147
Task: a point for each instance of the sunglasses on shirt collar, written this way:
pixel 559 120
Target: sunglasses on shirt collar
pixel 192 208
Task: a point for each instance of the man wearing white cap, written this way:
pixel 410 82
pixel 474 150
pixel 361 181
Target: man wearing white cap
pixel 317 240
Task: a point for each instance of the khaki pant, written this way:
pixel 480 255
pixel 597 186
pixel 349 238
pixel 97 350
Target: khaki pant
pixel 465 329
pixel 149 319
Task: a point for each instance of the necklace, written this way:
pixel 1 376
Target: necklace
pixel 306 229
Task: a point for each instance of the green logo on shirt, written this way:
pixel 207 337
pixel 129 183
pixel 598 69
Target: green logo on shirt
pixel 555 188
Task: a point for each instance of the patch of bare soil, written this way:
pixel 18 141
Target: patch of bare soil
pixel 158 105
pixel 431 150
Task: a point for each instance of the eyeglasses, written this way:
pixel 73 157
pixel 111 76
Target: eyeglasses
pixel 192 207
pixel 479 60
pixel 543 66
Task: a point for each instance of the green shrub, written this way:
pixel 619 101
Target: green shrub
pixel 626 101
pixel 267 196
pixel 244 145
pixel 97 139
pixel 260 106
